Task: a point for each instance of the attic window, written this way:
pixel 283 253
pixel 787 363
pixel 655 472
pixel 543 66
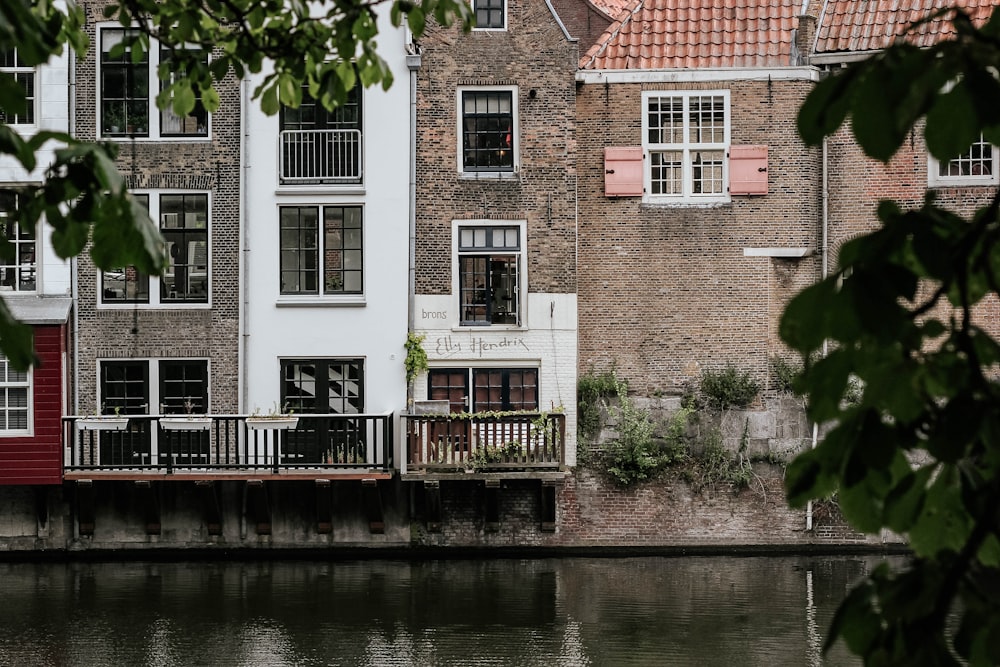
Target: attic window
pixel 490 14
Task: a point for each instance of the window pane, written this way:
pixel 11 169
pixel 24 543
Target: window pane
pixel 708 121
pixel 977 161
pixel 472 288
pixel 12 64
pixel 124 385
pixel 489 14
pixel 14 391
pixel 342 254
pixel 666 172
pixel 488 131
pixel 706 171
pixel 18 273
pixel 184 225
pixel 183 387
pixel 195 123
pixel 124 89
pixel 299 249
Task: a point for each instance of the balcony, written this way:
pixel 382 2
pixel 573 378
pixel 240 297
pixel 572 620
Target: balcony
pixel 485 443
pixel 228 447
pixel 320 156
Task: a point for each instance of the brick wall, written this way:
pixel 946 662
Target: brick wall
pixel 666 292
pixel 536 56
pixel 197 165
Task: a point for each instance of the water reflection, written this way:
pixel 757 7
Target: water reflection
pixel 629 611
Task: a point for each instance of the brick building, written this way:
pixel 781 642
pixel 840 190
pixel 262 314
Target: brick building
pixel 699 207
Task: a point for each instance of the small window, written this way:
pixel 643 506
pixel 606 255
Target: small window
pixel 17 274
pixel 976 166
pixel 686 136
pixel 489 274
pixel 321 264
pixel 183 387
pixel 184 225
pixel 15 399
pixel 128 90
pixel 489 130
pixel 12 65
pixel 490 14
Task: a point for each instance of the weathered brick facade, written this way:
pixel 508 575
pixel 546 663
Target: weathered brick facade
pixel 666 291
pixel 185 331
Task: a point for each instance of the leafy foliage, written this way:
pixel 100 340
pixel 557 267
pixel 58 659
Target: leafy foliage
pixel 327 47
pixel 785 372
pixel 729 388
pixel 591 389
pixel 900 312
pixel 416 356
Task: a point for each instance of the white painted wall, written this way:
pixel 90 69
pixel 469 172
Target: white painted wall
pixel 548 341
pixel 373 328
pixel 51 113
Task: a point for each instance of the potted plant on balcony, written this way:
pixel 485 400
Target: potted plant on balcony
pixel 275 419
pixel 187 421
pixel 112 422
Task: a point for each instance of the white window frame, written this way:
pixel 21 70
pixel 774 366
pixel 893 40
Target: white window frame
pixel 154 115
pixel 504 6
pixel 32 100
pixel 522 273
pixel 353 297
pixel 966 163
pixel 515 133
pixel 16 266
pixel 154 281
pixel 687 148
pixel 6 385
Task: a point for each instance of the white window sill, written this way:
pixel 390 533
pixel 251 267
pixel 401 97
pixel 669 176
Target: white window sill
pixel 488 175
pixel 664 201
pixel 320 188
pixel 492 328
pixel 310 301
pixel 124 138
pixel 958 182
pixel 154 306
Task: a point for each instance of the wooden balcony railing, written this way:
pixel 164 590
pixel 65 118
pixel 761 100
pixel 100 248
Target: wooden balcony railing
pixel 228 443
pixel 515 441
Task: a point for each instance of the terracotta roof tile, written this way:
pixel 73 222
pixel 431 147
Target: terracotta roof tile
pixel 698 33
pixel 869 25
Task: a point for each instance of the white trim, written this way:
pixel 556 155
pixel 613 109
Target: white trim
pixel 153 282
pixel 522 275
pixel 705 75
pixel 516 138
pixel 154 116
pixel 323 298
pixel 936 180
pixel 29 386
pixel 506 18
pixel 686 147
pixel 787 253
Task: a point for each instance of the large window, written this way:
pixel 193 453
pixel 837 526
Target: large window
pixel 321 260
pixel 488 129
pixel 12 65
pixel 18 268
pixel 325 387
pixel 321 146
pixel 142 387
pixel 184 224
pixel 686 136
pixel 492 388
pixel 15 399
pixel 128 88
pixel 976 166
pixel 490 14
pixel 488 274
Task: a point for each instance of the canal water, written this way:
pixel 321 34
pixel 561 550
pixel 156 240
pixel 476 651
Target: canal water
pixel 687 611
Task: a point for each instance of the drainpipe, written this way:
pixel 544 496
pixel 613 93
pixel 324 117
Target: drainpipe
pixel 73 266
pixel 413 64
pixel 244 268
pixel 824 271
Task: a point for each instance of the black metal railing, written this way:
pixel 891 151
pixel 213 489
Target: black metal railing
pixel 518 441
pixel 228 443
